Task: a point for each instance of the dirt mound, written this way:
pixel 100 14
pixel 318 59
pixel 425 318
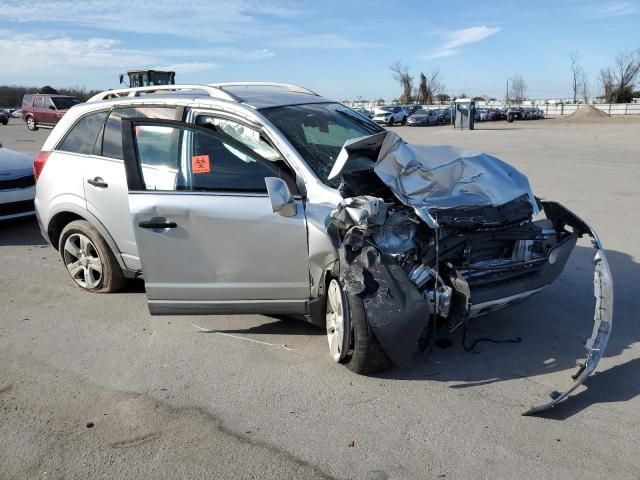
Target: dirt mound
pixel 587 113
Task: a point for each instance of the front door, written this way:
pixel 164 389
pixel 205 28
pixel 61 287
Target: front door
pixel 208 239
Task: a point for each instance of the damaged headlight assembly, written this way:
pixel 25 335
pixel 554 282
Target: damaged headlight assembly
pixel 433 236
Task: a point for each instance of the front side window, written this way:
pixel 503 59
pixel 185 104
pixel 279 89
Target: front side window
pixel 82 137
pixel 112 138
pixel 248 136
pixel 318 132
pixel 179 158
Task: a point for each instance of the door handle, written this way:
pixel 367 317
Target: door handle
pixel 97 182
pixel 157 223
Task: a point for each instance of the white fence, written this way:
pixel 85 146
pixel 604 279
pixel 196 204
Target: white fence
pixel 558 109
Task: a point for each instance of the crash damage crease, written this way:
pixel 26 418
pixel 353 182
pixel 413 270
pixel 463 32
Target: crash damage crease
pixel 433 236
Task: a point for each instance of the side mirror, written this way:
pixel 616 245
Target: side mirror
pixel 281 199
pixel 121 79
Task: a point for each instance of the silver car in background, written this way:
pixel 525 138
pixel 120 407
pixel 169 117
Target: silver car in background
pixel 268 198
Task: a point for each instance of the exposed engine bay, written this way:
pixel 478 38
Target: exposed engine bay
pixel 431 237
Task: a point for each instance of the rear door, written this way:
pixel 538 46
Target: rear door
pixel 106 183
pixel 39 112
pixel 208 239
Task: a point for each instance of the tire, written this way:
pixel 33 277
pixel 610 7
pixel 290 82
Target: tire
pixel 31 123
pixel 364 354
pixel 390 122
pixel 404 121
pixel 88 256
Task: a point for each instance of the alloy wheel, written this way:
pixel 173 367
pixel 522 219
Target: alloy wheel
pixel 338 327
pixel 82 261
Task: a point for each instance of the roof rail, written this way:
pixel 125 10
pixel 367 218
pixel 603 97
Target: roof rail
pixel 211 90
pixel 289 86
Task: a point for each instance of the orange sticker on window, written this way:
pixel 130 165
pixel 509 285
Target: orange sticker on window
pixel 200 164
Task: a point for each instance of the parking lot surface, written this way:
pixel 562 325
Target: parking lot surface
pixel 92 386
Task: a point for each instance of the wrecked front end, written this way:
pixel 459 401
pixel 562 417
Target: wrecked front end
pixel 430 237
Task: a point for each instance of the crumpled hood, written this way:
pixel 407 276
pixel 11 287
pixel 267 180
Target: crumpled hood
pixel 432 177
pixel 14 164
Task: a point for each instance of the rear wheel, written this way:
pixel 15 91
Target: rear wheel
pixel 404 121
pixel 89 260
pixel 351 340
pixel 31 124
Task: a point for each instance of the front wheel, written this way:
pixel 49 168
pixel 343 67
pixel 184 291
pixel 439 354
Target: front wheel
pixel 89 260
pixel 390 122
pixel 31 124
pixel 404 121
pixel 351 339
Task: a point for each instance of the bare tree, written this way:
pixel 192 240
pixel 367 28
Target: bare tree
pixel 618 81
pixel 421 98
pixel 429 88
pixel 583 86
pixel 577 73
pixel 402 76
pixel 434 86
pixel 517 89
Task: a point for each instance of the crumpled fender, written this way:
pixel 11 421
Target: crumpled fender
pixel 603 315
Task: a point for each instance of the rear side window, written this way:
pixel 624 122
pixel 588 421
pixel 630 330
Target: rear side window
pixel 112 140
pixel 83 135
pixel 26 101
pixel 39 102
pixel 64 103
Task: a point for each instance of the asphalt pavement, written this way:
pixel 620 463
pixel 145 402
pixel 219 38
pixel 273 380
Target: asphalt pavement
pixel 92 386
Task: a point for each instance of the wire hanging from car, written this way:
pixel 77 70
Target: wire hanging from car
pixel 483 339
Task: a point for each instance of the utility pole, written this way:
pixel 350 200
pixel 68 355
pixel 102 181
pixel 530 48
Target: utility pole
pixel 507 99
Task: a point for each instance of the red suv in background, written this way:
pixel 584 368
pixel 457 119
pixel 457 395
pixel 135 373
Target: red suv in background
pixel 45 110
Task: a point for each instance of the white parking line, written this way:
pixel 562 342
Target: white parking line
pixel 243 338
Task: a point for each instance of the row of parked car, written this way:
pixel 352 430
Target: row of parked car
pixel 415 115
pixel 7 113
pixel 407 115
pixel 518 113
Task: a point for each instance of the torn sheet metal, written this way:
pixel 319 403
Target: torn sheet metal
pixel 429 177
pixel 359 211
pixel 396 311
pixel 397 235
pixel 603 315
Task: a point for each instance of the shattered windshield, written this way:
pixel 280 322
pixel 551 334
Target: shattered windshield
pixel 318 132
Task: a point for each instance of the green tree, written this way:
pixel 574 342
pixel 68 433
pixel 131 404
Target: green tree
pixel 48 89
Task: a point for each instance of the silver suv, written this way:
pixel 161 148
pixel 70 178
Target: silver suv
pixel 267 198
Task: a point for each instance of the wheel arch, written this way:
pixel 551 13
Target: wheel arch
pixel 68 214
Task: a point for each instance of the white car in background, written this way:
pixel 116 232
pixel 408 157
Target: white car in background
pixel 390 115
pixel 17 185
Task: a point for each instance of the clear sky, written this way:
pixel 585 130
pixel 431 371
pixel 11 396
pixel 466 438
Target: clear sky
pixel 340 48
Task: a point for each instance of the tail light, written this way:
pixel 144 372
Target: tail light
pixel 38 163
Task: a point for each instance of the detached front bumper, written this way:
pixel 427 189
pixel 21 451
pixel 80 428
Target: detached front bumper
pixel 603 292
